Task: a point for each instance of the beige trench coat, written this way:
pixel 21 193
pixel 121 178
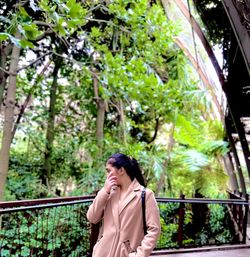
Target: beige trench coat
pixel 122 232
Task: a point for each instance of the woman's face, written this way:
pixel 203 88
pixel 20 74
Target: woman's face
pixel 113 171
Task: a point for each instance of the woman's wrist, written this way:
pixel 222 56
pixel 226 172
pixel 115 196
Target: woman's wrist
pixel 107 190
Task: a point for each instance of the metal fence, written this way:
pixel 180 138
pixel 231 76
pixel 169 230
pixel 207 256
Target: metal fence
pixel 202 222
pixel 45 228
pixel 58 227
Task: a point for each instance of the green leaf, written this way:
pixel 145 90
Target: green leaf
pixel 187 133
pixel 74 10
pixel 23 12
pixel 215 147
pixel 61 30
pixel 95 32
pixel 26 44
pixel 4 36
pixel 157 168
pixel 20 43
pixel 31 31
pixel 56 16
pixel 44 5
pixel 195 160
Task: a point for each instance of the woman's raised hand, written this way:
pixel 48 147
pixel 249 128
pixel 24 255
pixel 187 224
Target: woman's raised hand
pixel 111 181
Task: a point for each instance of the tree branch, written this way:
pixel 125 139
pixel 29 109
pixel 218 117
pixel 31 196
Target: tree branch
pixel 34 142
pixel 8 72
pixel 21 3
pixel 35 61
pixel 28 98
pixel 42 23
pixel 155 131
pixel 70 59
pixel 108 22
pixel 47 32
pixel 94 8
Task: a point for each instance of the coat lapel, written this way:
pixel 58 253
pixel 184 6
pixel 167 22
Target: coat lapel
pixel 131 194
pixel 115 205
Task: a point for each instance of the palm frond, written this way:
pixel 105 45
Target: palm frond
pixel 194 160
pixel 186 132
pixel 215 147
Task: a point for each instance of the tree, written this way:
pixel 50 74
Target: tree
pixel 24 32
pixel 9 117
pixel 112 79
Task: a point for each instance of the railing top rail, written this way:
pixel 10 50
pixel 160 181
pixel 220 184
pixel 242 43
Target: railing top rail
pixel 43 206
pixel 237 195
pixel 33 202
pixel 15 206
pixel 202 200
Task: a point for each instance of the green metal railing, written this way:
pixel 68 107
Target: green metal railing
pixel 202 222
pixel 58 227
pixel 50 227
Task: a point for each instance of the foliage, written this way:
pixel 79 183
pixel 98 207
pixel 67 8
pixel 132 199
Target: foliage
pixel 23 181
pixel 169 225
pixel 55 232
pixel 214 231
pixel 212 11
pixel 195 158
pixel 217 25
pixel 131 52
pixel 202 225
pixel 128 48
pixel 64 230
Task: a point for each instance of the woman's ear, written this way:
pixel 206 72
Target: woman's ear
pixel 122 171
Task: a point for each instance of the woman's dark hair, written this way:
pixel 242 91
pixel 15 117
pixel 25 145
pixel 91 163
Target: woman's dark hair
pixel 130 164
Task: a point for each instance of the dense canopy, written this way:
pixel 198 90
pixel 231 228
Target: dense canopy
pixel 80 80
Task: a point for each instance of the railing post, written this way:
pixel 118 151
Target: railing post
pixel 181 221
pixel 240 220
pixel 235 212
pixel 246 208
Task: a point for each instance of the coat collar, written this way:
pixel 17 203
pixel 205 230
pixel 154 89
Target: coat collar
pixel 117 207
pixel 131 194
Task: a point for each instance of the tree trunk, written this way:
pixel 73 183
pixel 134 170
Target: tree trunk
pixel 50 134
pixel 100 122
pixel 228 166
pixel 8 119
pixel 4 52
pixel 122 125
pixel 162 180
pixel 101 108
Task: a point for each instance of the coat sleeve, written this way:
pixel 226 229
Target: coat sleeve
pixel 153 226
pixel 96 209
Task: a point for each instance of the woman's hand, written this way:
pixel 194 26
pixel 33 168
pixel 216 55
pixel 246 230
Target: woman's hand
pixel 111 181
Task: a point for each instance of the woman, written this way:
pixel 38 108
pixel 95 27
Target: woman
pixel 118 205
